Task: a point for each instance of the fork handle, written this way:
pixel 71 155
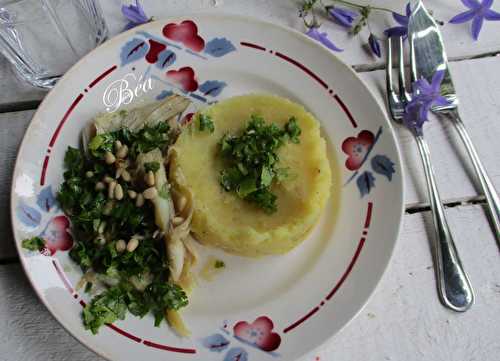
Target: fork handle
pixel 486 184
pixel 453 284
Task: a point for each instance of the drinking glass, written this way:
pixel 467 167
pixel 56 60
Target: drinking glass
pixel 43 38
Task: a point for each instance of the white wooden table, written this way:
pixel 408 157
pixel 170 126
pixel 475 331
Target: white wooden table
pixel 404 319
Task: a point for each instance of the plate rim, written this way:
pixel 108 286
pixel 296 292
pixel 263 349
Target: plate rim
pixel 210 16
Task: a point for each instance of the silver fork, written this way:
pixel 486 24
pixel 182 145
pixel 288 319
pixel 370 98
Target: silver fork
pixel 454 287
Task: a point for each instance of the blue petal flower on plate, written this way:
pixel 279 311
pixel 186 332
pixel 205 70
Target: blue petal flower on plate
pixel 46 199
pixel 133 50
pixel 165 59
pixel 212 87
pixel 236 354
pixel 164 94
pixel 381 164
pixel 365 182
pixel 216 342
pixel 218 47
pixel 28 216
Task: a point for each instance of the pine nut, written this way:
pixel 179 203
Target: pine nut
pixel 156 233
pixel 108 207
pixel 150 193
pixel 118 173
pixel 109 158
pixel 89 174
pixel 181 204
pixel 99 186
pixel 149 178
pixel 132 244
pixel 111 189
pixel 177 220
pixel 118 145
pixel 122 152
pixel 108 179
pixel 118 192
pixel 102 227
pixel 126 176
pixel 120 245
pixel 132 194
pixel 139 202
pixel 100 240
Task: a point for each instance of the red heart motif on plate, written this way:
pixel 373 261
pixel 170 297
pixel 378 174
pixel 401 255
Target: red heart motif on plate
pixel 258 333
pixel 186 33
pixel 357 148
pixel 56 235
pixel 185 77
pixel 155 48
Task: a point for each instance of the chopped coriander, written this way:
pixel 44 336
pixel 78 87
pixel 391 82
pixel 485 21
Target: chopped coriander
pixel 105 308
pixel 151 166
pixel 251 160
pixel 33 244
pixel 88 287
pixel 219 264
pixel 205 123
pixel 164 191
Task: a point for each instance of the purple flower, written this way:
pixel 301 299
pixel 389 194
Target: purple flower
pixel 374 45
pixel 342 16
pixel 478 12
pixel 402 20
pixel 424 96
pixel 315 34
pixel 135 15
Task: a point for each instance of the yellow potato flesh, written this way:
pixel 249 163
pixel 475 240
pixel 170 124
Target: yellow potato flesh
pixel 223 220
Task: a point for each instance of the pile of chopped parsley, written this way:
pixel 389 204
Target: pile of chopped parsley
pixel 86 207
pixel 251 160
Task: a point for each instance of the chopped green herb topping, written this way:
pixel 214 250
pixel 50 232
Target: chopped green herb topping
pixel 252 159
pixel 33 244
pixel 151 166
pixel 219 264
pixel 205 123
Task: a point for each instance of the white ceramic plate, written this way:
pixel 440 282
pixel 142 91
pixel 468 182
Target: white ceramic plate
pixel 274 307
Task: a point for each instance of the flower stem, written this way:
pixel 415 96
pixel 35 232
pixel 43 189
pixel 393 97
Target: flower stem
pixel 354 5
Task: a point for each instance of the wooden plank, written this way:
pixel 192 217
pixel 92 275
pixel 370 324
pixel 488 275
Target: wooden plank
pixel 283 13
pixel 12 128
pixel 403 321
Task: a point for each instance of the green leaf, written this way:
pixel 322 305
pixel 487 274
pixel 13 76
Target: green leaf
pixel 151 166
pixel 219 264
pixel 205 123
pixel 266 177
pixel 33 244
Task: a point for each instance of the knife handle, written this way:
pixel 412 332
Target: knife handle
pixel 485 181
pixel 453 284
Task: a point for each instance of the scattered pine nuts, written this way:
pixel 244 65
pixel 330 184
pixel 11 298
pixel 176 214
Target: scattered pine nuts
pixel 177 220
pixel 132 194
pixel 108 207
pixel 108 179
pixel 126 176
pixel 89 174
pixel 109 158
pixel 139 202
pixel 150 193
pixel 111 189
pixel 132 244
pixel 99 186
pixel 122 152
pixel 120 245
pixel 149 178
pixel 118 193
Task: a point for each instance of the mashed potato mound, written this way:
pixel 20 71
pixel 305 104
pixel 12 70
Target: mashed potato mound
pixel 223 220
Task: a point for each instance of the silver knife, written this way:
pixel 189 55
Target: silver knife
pixel 428 55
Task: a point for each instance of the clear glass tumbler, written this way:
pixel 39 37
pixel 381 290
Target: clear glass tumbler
pixel 43 38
